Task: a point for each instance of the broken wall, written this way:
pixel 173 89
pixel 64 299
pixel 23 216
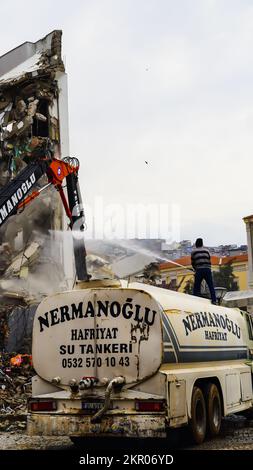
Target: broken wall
pixel 33 123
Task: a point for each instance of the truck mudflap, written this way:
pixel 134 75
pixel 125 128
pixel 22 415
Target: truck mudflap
pixel 136 426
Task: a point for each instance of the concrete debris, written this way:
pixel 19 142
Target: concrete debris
pixel 99 267
pixel 5 257
pixel 28 256
pixel 5 311
pixel 25 282
pixel 32 60
pixel 15 388
pixel 28 99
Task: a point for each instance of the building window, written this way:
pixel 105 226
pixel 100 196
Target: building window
pixel 41 128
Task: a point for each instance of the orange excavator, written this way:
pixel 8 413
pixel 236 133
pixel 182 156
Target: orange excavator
pixel 21 190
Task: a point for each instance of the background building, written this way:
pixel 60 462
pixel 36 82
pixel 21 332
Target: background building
pixel 178 273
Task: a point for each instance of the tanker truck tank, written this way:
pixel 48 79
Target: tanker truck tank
pixel 131 359
pixel 194 330
pixel 100 332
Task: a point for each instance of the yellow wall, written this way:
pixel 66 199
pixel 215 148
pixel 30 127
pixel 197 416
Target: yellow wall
pixel 240 270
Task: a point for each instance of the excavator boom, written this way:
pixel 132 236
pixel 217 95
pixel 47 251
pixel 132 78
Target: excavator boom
pixel 17 194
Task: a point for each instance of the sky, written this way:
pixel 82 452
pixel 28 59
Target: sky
pixel 163 82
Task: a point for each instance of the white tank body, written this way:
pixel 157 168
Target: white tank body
pixel 195 330
pixel 98 333
pixel 130 330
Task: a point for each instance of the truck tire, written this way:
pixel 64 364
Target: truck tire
pixel 198 416
pixel 213 409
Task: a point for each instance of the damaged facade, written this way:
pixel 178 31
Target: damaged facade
pixel 33 123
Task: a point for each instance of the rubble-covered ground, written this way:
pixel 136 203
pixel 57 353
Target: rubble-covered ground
pixel 20 441
pixel 236 434
pixel 16 372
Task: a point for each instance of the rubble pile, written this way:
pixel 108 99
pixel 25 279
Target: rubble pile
pixel 4 327
pixel 23 284
pixel 15 388
pixel 28 93
pixel 14 296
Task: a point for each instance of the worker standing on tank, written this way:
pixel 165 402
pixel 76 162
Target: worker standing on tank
pixel 201 263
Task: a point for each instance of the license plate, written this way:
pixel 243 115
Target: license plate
pixel 91 406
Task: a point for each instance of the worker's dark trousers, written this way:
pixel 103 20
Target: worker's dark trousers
pixel 206 274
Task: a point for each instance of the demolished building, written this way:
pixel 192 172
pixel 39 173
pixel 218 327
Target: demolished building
pixel 33 122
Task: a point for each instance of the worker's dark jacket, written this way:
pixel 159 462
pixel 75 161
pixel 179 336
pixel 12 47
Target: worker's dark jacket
pixel 200 258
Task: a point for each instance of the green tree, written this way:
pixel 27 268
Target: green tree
pixel 188 288
pixel 151 272
pixel 225 278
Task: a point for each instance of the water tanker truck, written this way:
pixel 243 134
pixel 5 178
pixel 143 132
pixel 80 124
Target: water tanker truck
pixel 112 358
pixel 127 359
pixel 134 360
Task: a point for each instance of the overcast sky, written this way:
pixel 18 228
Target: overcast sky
pixel 163 81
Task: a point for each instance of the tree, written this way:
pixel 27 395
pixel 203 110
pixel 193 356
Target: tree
pixel 225 278
pixel 188 288
pixel 151 273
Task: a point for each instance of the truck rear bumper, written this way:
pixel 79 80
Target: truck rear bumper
pixel 118 426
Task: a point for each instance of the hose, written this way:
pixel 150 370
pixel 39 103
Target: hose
pixel 117 381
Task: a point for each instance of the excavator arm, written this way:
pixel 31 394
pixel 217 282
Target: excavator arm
pixel 17 194
pixel 15 191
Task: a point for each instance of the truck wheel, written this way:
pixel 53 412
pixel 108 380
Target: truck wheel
pixel 213 408
pixel 198 416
